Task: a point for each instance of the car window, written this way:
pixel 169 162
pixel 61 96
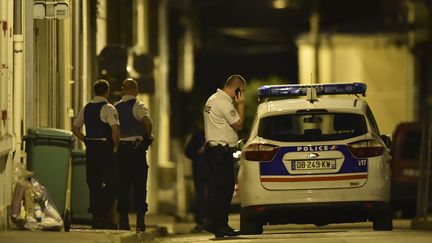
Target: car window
pixel 371 118
pixel 253 125
pixel 312 127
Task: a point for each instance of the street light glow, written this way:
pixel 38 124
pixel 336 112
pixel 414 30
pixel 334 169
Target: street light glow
pixel 280 4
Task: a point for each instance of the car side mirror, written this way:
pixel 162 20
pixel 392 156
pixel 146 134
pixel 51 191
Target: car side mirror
pixel 387 140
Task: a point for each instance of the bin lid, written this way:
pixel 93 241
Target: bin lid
pixel 49 132
pixel 78 153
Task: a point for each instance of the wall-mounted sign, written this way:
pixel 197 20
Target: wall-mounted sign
pixel 50 10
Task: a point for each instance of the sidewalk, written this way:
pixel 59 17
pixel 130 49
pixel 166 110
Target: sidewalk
pixel 83 234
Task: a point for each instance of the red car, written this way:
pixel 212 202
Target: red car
pixel 405 168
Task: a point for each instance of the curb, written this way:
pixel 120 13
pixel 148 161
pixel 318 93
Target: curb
pixel 151 234
pixel 138 237
pixel 130 237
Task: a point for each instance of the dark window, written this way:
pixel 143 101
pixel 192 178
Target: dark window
pixel 410 147
pixel 312 127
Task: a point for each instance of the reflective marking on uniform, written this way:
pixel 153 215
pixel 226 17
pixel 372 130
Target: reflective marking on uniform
pixel 314 178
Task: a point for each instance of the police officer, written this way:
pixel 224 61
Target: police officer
pixel 102 142
pixel 194 150
pixel 136 136
pixel 222 121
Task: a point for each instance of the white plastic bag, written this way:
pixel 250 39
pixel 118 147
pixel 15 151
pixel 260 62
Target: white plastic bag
pixel 33 209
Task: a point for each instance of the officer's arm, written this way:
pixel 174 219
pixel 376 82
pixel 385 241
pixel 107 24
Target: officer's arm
pixel 77 131
pixel 77 124
pixel 116 137
pixel 148 126
pixel 240 110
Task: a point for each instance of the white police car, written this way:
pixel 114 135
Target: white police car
pixel 314 160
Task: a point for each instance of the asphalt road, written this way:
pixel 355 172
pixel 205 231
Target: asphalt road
pixel 178 232
pixel 335 233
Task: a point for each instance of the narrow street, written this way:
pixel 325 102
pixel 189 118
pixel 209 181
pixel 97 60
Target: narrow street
pixel 356 232
pixel 110 108
pixel 166 229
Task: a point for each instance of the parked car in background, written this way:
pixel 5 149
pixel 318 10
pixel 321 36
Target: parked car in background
pixel 405 164
pixel 314 160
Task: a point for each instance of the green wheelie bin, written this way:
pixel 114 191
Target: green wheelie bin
pixel 48 154
pixel 79 191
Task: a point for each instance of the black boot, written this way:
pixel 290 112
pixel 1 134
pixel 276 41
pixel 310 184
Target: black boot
pixel 101 221
pixel 96 221
pixel 140 224
pixel 106 224
pixel 124 222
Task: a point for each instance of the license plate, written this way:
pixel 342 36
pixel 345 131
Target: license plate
pixel 313 164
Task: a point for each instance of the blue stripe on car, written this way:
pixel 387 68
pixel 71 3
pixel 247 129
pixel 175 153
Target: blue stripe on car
pixel 277 167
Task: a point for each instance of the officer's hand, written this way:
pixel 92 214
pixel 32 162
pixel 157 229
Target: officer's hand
pixel 115 149
pixel 240 99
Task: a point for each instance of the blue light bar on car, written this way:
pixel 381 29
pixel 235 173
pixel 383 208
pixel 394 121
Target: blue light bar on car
pixel 268 91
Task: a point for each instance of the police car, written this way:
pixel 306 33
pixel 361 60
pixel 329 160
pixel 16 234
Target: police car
pixel 314 160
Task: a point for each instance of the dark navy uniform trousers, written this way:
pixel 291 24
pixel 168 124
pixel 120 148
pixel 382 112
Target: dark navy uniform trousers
pixel 220 163
pixel 101 177
pixel 133 172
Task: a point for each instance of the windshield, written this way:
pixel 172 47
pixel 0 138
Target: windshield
pixel 312 127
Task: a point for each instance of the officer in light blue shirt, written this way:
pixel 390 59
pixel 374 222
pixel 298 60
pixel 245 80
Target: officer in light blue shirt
pixel 223 118
pixel 102 142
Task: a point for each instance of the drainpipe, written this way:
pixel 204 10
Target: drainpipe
pixel 85 86
pixel 53 86
pixel 76 56
pixel 18 78
pixel 76 48
pixel 30 116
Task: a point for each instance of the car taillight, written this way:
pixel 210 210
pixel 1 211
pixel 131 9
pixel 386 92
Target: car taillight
pixel 366 148
pixel 260 152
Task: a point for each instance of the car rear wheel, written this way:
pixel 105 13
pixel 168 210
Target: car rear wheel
pixel 383 222
pixel 250 226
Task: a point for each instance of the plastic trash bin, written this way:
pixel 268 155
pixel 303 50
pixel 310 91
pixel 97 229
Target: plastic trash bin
pixel 48 154
pixel 79 192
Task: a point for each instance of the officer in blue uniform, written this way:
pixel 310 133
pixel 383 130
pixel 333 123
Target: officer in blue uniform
pixel 222 120
pixel 194 150
pixel 102 142
pixel 135 138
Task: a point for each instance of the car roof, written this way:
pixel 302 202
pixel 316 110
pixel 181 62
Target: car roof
pixel 352 104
